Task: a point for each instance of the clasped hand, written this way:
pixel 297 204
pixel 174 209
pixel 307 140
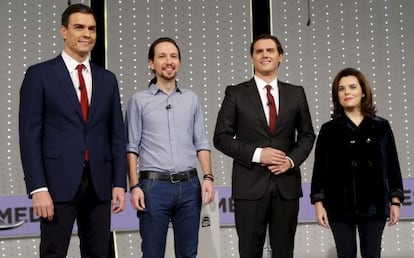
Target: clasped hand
pixel 276 160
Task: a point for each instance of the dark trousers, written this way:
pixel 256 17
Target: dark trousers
pixel 93 221
pixel 253 216
pixel 370 232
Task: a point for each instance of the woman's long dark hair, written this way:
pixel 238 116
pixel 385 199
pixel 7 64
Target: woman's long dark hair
pixel 367 106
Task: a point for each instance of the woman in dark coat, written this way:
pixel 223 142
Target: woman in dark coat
pixel 356 182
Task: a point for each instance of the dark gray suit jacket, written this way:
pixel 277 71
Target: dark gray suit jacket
pixel 241 128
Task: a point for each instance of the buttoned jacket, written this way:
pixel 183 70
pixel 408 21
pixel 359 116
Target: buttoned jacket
pixel 356 169
pixel 54 136
pixel 242 127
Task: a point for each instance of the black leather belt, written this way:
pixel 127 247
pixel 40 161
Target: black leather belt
pixel 174 177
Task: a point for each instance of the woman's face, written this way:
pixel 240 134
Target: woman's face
pixel 350 93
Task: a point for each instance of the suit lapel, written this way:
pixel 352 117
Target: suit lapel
pixel 96 81
pixel 283 102
pixel 256 102
pixel 62 73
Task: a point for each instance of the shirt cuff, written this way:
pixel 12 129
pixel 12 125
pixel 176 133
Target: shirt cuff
pixel 258 152
pixel 256 155
pixel 41 189
pixel 292 164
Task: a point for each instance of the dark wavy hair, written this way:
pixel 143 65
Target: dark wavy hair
pixel 75 8
pixel 367 106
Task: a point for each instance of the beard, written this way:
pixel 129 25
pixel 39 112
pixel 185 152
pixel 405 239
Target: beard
pixel 168 76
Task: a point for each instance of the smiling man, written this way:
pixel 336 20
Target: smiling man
pixel 265 126
pixel 165 134
pixel 72 142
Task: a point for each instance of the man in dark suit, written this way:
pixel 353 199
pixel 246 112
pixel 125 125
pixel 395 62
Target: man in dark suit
pixel 265 126
pixel 73 158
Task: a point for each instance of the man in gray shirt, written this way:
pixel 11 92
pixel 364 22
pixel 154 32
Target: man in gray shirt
pixel 165 132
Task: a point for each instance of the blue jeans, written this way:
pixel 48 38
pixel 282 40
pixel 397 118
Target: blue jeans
pixel 179 203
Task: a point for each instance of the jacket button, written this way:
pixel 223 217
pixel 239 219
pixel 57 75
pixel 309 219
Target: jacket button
pixel 354 163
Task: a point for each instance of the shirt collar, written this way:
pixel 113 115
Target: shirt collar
pixel 155 90
pixel 71 63
pixel 261 84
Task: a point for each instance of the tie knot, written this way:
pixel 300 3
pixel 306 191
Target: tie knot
pixel 80 67
pixel 268 88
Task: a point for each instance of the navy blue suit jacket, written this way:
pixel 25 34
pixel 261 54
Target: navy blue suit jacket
pixel 53 135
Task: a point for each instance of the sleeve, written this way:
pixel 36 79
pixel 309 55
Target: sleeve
pixel 393 166
pixel 225 139
pixel 133 125
pixel 199 137
pixel 305 133
pixel 320 167
pixel 118 138
pixel 30 129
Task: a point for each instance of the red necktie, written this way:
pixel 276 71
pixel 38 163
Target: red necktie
pixel 84 94
pixel 84 99
pixel 272 109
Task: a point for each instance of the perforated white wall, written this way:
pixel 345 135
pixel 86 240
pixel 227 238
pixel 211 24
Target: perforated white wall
pixel 214 36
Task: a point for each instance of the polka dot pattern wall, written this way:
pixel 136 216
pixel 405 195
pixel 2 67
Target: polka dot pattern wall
pixel 375 36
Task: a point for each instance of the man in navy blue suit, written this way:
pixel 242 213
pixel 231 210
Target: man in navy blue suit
pixel 73 162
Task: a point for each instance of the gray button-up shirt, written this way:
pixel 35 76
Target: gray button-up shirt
pixel 166 131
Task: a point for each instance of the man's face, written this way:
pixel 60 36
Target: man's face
pixel 79 36
pixel 265 57
pixel 166 63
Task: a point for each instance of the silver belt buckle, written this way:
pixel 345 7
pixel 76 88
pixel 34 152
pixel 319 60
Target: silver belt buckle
pixel 174 177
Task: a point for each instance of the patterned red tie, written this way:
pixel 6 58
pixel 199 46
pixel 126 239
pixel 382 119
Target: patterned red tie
pixel 84 99
pixel 272 109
